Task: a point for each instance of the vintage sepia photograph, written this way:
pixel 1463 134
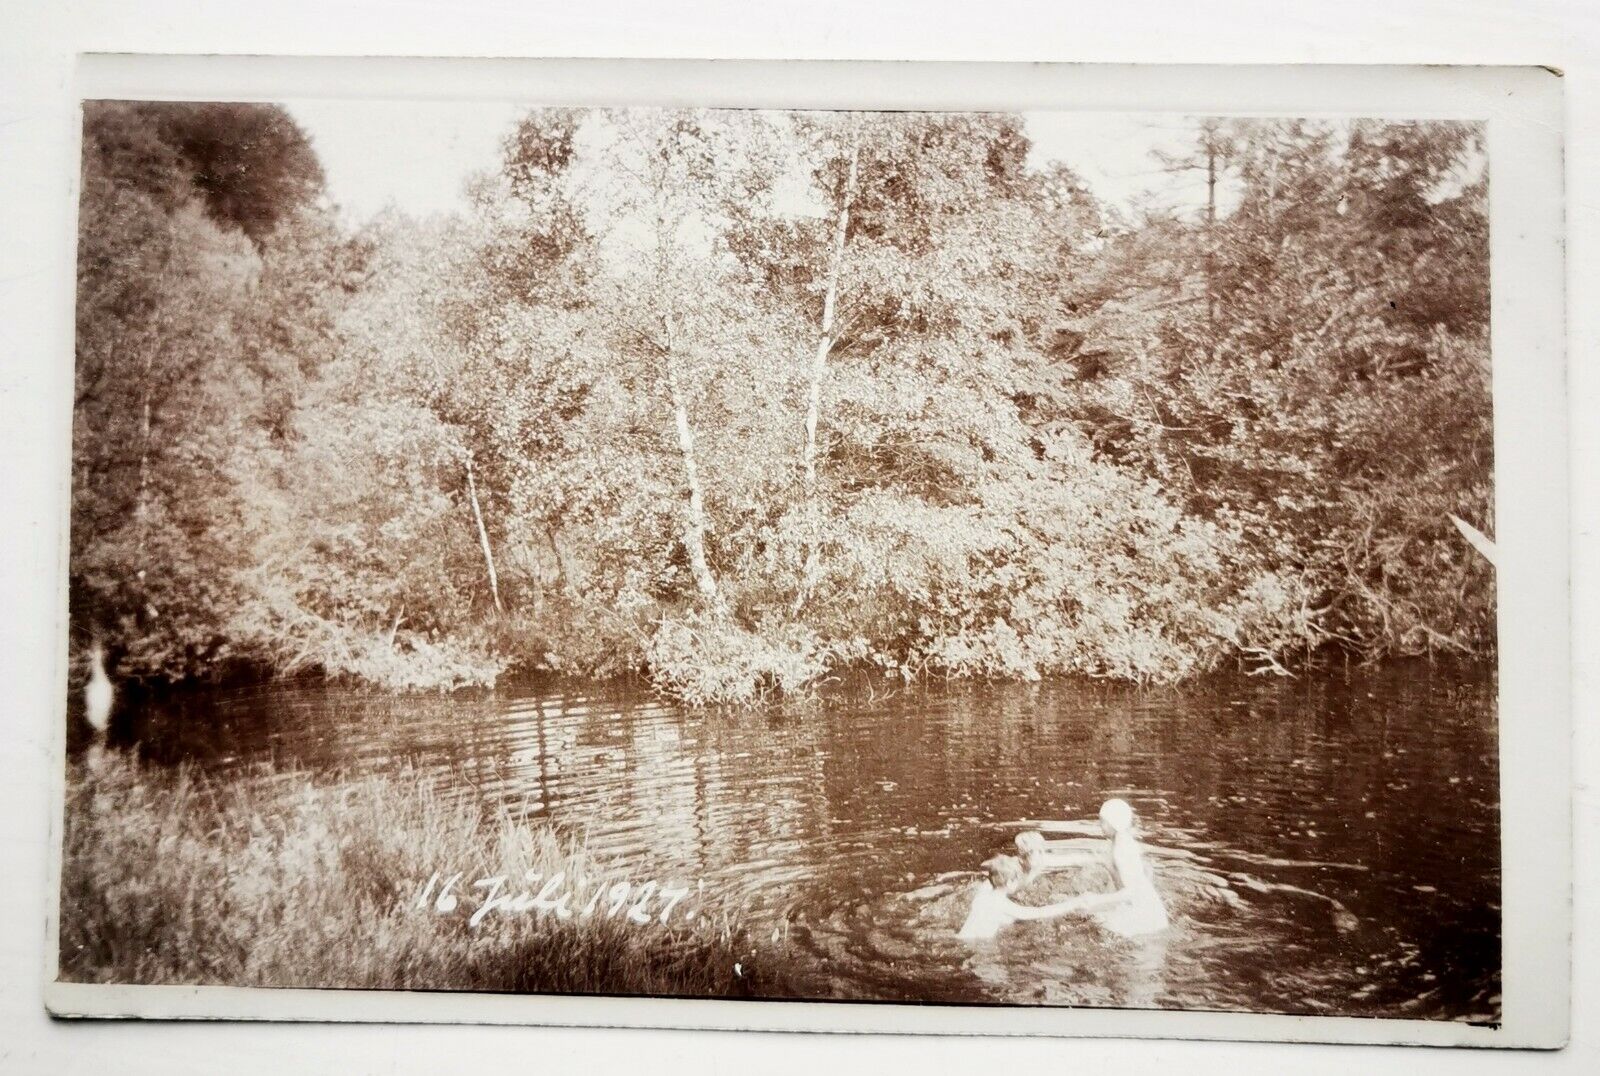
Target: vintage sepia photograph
pixel 960 558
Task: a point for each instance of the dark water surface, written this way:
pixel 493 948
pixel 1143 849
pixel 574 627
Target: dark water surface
pixel 1328 844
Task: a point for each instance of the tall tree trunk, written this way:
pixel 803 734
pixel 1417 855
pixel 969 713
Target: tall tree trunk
pixel 819 370
pixel 694 531
pixel 659 147
pixel 563 575
pixel 483 538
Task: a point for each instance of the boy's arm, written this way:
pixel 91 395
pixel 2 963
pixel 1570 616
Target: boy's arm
pixel 1084 903
pixel 1085 828
pixel 1060 859
pixel 1089 902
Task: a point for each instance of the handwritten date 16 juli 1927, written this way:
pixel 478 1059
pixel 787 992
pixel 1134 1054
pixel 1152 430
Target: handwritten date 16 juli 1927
pixel 644 904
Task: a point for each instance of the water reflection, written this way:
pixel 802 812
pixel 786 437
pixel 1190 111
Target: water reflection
pixel 1325 845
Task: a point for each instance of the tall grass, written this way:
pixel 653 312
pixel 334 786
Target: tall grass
pixel 279 879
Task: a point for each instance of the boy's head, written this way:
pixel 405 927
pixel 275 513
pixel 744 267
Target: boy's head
pixel 1004 872
pixel 1029 846
pixel 1115 816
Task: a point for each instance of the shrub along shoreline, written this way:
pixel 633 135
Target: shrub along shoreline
pixel 278 879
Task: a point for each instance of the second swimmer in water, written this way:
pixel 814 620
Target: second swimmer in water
pixel 993 908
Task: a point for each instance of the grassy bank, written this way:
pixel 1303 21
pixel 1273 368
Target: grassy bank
pixel 279 879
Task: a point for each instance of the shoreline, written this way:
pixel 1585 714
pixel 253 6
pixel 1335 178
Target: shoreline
pixel 854 678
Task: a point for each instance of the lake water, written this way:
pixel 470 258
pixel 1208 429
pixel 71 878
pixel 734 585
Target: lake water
pixel 1326 845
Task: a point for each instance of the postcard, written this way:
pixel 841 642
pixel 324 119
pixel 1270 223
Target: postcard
pixel 908 547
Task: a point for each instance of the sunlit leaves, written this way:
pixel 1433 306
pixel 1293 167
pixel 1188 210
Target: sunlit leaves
pixel 1048 439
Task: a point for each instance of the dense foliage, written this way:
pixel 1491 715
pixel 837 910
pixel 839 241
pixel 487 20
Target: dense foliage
pixel 739 398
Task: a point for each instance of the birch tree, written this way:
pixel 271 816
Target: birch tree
pixel 850 147
pixel 669 162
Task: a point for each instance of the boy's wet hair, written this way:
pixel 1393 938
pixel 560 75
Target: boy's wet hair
pixel 1030 843
pixel 1004 871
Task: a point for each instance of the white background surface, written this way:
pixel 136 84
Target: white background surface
pixel 37 43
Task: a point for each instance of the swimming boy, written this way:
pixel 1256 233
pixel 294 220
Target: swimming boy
pixel 1135 906
pixel 993 908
